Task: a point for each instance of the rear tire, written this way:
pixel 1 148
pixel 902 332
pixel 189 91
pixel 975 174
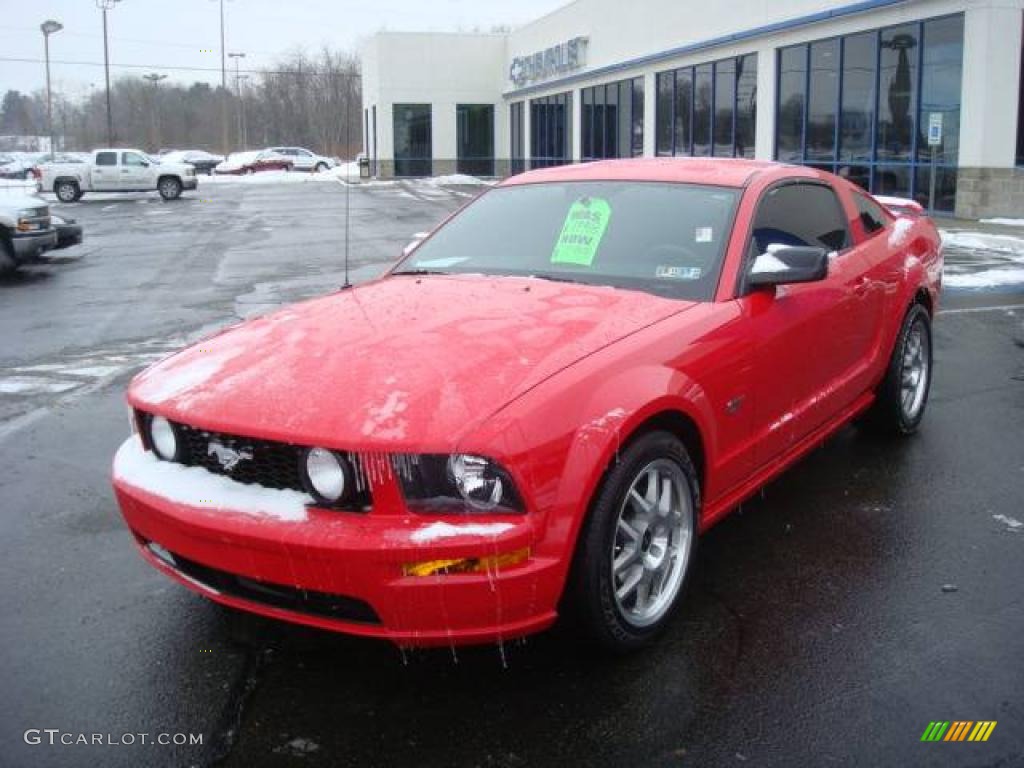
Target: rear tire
pixel 903 395
pixel 637 548
pixel 169 188
pixel 67 191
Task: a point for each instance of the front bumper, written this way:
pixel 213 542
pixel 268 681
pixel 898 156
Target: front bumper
pixel 28 245
pixel 339 570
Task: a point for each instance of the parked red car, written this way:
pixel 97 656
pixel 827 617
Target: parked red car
pixel 241 163
pixel 540 408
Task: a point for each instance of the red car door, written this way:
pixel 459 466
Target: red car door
pixel 809 338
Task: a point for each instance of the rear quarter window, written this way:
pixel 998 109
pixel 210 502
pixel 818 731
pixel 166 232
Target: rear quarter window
pixel 870 213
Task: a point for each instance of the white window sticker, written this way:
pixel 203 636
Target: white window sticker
pixel 678 273
pixel 704 235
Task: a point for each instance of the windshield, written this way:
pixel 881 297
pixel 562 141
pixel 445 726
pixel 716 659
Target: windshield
pixel 662 238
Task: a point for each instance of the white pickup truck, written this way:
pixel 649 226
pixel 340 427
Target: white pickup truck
pixel 116 170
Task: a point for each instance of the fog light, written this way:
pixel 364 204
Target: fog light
pixel 328 475
pixel 467 564
pixel 163 438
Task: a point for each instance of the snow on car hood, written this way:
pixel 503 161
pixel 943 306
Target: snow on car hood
pixel 400 363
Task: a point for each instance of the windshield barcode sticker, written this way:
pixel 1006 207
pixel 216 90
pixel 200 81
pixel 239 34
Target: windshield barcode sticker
pixel 582 231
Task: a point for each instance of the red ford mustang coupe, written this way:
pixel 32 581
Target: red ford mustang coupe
pixel 539 409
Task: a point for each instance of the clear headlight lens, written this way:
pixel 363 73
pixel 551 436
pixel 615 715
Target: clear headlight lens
pixel 162 438
pixel 328 475
pixel 459 483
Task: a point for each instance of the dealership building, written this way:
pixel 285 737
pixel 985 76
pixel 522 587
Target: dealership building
pixel 914 98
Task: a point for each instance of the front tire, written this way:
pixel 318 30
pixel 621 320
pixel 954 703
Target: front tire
pixel 169 188
pixel 67 191
pixel 903 394
pixel 320 168
pixel 636 550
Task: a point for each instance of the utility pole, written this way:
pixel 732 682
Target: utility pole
pixel 238 92
pixel 48 28
pixel 223 87
pixel 106 5
pixel 155 79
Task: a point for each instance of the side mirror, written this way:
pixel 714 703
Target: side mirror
pixel 788 264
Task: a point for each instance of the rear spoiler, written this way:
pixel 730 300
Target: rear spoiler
pixel 901 206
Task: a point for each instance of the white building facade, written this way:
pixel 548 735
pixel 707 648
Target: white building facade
pixel 914 98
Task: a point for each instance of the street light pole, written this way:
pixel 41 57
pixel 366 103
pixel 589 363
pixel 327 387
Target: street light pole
pixel 155 79
pixel 48 28
pixel 223 86
pixel 238 90
pixel 106 5
pixel 245 126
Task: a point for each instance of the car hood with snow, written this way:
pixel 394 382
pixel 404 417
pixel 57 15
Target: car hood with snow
pixel 402 363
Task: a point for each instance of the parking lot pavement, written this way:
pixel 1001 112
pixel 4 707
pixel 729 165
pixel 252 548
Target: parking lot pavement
pixel 872 589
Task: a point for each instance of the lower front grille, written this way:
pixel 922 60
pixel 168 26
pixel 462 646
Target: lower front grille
pixel 305 601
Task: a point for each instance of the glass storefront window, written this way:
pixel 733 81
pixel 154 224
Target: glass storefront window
pixel 712 109
pixel 474 140
pixel 746 104
pixel 881 86
pixel 823 100
pixel 897 92
pixel 702 97
pixel 789 113
pixel 412 135
pixel 550 131
pixel 857 118
pixel 516 138
pixel 725 106
pixel 612 123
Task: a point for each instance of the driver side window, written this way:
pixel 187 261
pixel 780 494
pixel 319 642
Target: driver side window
pixel 800 214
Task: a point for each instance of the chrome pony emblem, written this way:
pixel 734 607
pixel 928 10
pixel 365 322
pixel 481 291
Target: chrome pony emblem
pixel 228 457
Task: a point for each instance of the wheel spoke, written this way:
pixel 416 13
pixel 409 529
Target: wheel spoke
pixel 630 583
pixel 665 498
pixel 642 504
pixel 629 530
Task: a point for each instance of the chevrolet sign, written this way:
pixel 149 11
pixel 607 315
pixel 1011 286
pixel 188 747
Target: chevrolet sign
pixel 541 65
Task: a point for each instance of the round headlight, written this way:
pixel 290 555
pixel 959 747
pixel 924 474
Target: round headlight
pixel 327 474
pixel 476 480
pixel 162 438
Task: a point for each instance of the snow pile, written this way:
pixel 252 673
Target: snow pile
pixel 436 531
pixel 458 178
pixel 1006 244
pixel 1002 257
pixel 260 177
pixel 196 487
pixel 1004 222
pixel 989 278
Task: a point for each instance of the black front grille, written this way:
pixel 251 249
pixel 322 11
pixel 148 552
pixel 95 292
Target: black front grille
pixel 260 462
pixel 307 601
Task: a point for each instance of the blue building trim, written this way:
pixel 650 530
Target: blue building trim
pixel 766 29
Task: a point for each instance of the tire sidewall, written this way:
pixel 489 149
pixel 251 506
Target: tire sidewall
pixel 162 187
pixel 65 185
pixel 915 315
pixel 595 605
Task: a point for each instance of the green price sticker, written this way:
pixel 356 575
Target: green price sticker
pixel 582 232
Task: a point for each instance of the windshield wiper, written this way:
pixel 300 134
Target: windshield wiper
pixel 557 278
pixel 420 272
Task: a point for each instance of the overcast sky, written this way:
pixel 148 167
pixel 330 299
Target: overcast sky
pixel 160 34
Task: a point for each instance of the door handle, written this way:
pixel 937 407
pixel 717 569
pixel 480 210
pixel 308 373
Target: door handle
pixel 125 170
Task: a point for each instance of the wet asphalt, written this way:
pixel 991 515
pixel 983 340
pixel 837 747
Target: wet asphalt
pixel 874 588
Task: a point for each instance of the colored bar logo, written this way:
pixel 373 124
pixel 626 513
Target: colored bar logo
pixel 958 730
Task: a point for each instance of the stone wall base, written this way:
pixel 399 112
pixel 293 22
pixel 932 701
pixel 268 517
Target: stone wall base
pixel 988 192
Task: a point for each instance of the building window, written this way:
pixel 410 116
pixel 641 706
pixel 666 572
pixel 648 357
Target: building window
pixel 474 139
pixel 710 109
pixel 550 132
pixel 612 118
pixel 859 106
pixel 412 139
pixel 515 134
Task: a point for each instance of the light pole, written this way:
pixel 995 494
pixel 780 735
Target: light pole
pixel 106 5
pixel 223 85
pixel 155 79
pixel 238 92
pixel 48 28
pixel 245 126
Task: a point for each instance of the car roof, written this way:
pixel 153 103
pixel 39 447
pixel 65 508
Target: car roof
pixel 717 171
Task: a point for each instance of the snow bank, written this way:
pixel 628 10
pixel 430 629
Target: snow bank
pixel 1008 244
pixel 436 531
pixel 196 487
pixel 1004 222
pixel 989 278
pixel 457 178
